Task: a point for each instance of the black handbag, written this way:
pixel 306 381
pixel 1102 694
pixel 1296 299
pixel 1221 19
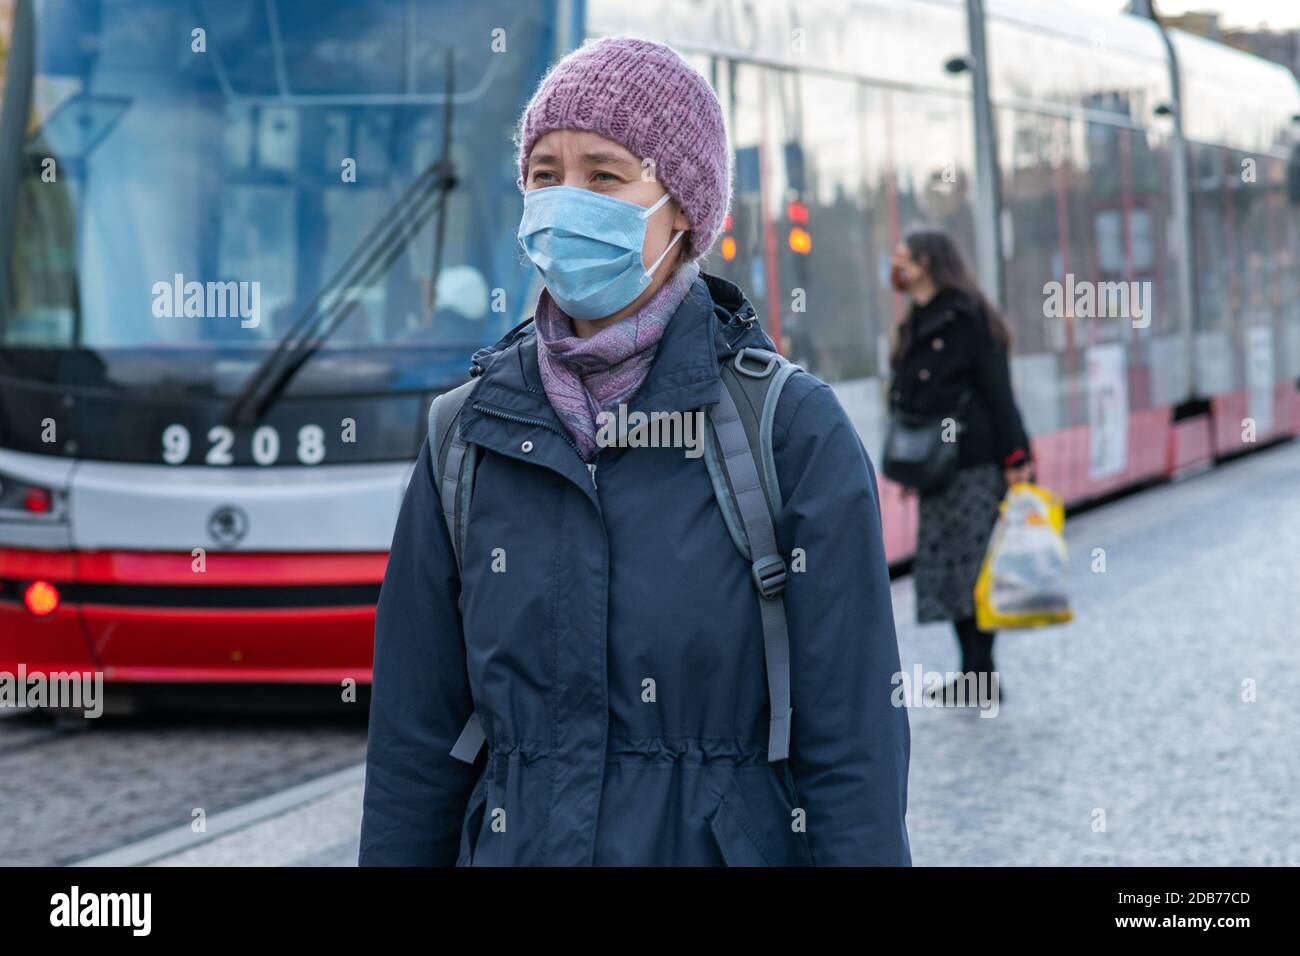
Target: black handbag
pixel 916 455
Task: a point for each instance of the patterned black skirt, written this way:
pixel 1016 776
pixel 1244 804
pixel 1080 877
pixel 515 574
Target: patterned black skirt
pixel 954 531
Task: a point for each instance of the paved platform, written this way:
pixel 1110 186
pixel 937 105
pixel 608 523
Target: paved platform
pixel 1133 715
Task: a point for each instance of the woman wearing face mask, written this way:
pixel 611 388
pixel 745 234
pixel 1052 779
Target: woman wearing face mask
pixel 600 624
pixel 949 357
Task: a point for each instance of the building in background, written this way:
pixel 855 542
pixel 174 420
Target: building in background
pixel 1280 46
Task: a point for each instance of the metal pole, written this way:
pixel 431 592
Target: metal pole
pixel 988 205
pixel 1180 192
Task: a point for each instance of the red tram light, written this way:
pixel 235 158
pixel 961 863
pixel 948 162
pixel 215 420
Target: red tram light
pixel 41 598
pixel 37 501
pixel 797 212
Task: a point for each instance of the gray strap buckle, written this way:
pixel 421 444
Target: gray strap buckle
pixel 769 575
pixel 769 360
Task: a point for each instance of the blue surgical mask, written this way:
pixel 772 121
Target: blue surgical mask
pixel 587 246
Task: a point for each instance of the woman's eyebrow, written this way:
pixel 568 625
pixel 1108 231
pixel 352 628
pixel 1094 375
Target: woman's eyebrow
pixel 607 159
pixel 542 159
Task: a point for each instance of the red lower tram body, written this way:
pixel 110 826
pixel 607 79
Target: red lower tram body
pixel 139 617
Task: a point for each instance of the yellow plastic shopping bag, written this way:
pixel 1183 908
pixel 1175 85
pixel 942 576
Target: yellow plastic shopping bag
pixel 1023 581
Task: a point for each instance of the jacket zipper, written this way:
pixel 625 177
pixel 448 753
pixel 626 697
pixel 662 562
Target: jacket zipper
pixel 520 419
pixel 604 591
pixel 486 410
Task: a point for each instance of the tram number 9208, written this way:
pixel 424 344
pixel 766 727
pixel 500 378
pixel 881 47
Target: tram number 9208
pixel 265 449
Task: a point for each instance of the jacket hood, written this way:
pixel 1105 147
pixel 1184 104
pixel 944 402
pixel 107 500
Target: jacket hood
pixel 737 319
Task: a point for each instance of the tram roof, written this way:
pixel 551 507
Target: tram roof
pixel 1233 98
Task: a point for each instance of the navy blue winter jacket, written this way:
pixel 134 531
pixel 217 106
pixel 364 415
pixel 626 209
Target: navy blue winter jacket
pixel 617 659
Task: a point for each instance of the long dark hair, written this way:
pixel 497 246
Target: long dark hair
pixel 938 252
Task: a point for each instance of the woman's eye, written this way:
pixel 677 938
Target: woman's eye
pixel 604 177
pixel 543 175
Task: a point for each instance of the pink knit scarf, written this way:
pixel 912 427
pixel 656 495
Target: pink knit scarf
pixel 583 377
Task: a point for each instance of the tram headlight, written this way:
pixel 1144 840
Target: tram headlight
pixel 23 498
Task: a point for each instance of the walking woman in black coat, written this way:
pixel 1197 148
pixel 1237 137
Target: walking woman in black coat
pixel 950 358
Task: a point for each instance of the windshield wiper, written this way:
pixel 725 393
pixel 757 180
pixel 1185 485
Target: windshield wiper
pixel 336 300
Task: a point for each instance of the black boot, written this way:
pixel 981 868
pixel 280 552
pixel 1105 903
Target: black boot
pixel 976 646
pixel 962 691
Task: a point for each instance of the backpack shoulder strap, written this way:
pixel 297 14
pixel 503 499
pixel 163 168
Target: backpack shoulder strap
pixel 454 461
pixel 744 482
pixel 755 379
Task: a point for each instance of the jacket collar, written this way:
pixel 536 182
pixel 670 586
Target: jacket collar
pixel 712 323
pixel 936 313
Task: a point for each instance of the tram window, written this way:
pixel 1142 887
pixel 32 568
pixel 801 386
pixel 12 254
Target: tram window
pixel 922 172
pixel 1143 240
pixel 229 167
pixel 783 170
pixel 1030 191
pixel 1110 241
pixel 834 334
pixel 738 255
pixel 1214 237
pixel 1263 242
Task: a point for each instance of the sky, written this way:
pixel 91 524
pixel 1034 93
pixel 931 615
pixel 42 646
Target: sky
pixel 1275 14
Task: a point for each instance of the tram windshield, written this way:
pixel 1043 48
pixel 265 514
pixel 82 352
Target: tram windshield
pixel 188 181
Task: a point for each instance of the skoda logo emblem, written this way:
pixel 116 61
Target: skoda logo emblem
pixel 228 525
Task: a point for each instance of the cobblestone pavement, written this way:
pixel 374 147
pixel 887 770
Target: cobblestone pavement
pixel 1135 710
pixel 65 795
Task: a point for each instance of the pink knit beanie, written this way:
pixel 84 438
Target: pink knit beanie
pixel 645 97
